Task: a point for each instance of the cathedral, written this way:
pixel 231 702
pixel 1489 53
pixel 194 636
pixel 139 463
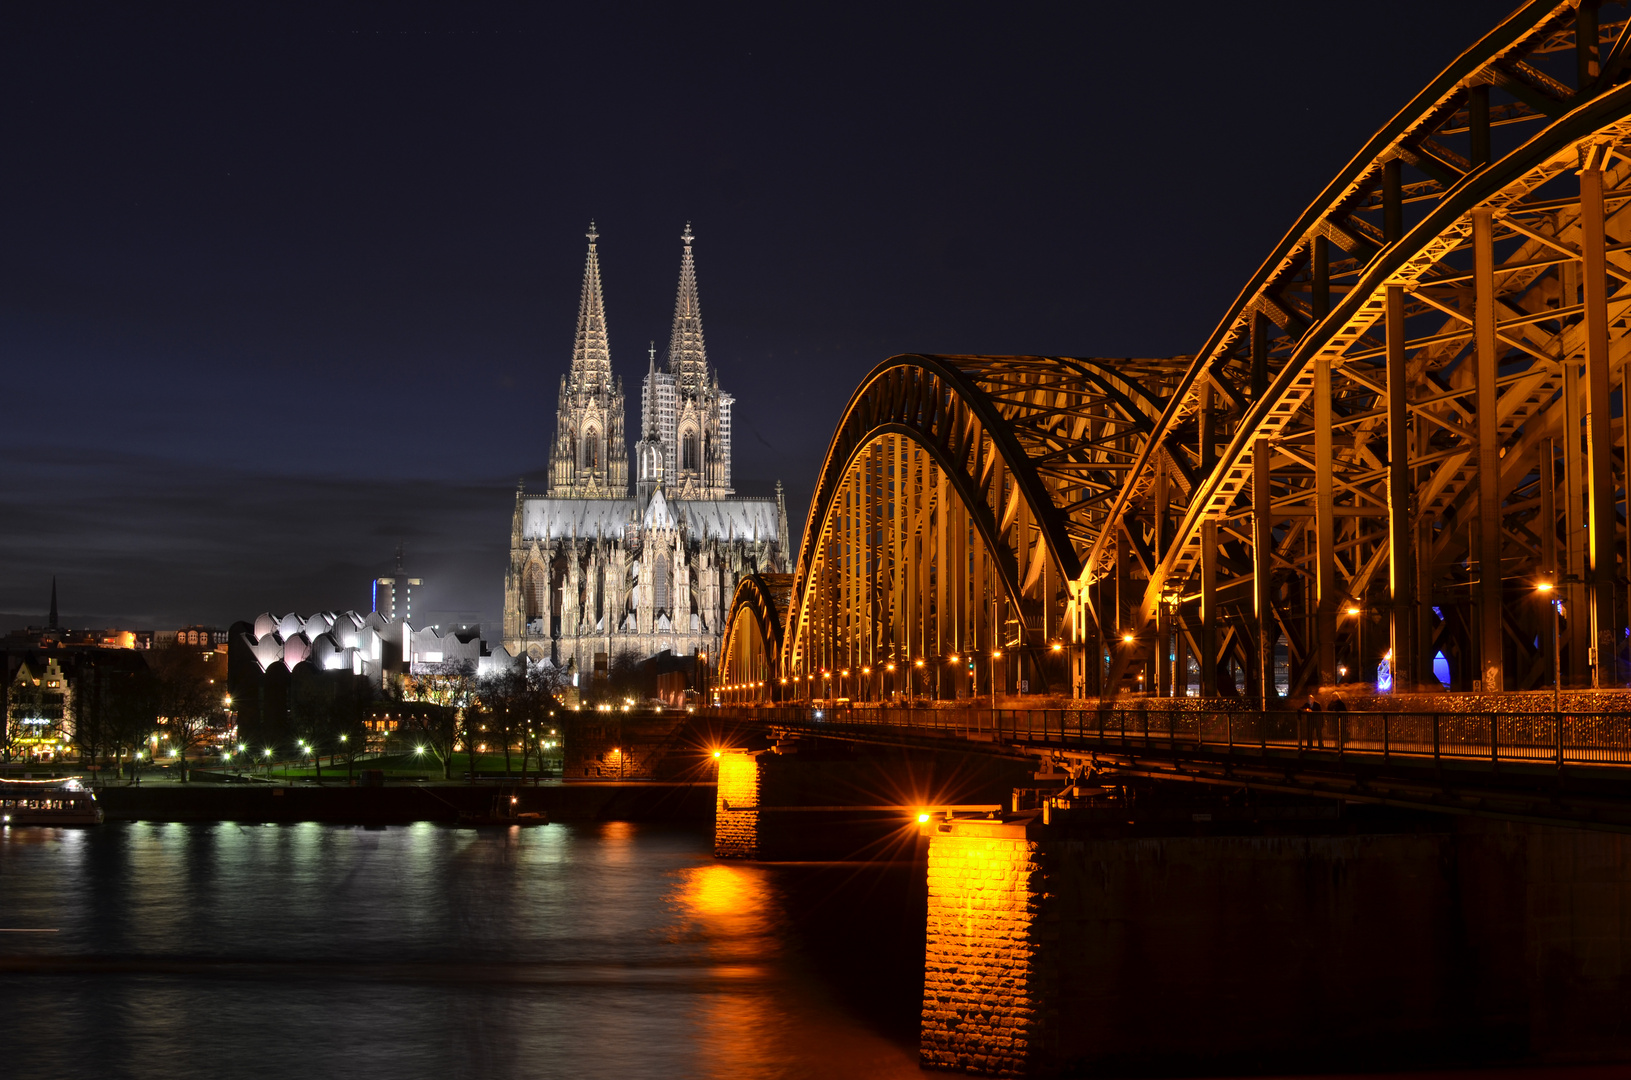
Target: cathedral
pixel 599 573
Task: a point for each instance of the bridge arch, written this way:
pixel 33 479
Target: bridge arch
pixel 749 657
pixel 956 499
pixel 1402 423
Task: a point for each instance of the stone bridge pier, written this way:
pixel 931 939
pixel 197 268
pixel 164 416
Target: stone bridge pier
pixel 1061 946
pixel 1129 930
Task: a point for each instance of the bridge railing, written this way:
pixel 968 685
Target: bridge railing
pixel 1579 738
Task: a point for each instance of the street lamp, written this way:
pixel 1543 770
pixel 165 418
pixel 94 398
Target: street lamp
pixel 1548 588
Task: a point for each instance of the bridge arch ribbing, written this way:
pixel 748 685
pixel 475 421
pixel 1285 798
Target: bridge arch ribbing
pixel 954 504
pixel 1405 391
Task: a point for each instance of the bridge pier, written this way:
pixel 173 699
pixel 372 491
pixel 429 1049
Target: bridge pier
pixel 813 798
pixel 1306 942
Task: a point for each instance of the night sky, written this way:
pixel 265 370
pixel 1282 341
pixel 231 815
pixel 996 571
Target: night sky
pixel 283 286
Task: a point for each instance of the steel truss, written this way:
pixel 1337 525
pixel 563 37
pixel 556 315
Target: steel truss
pixel 1428 402
pixel 748 657
pixel 948 526
pixel 1405 423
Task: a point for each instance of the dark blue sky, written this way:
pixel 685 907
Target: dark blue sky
pixel 283 285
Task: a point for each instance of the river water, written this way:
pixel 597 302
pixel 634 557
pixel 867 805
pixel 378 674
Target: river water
pixel 605 950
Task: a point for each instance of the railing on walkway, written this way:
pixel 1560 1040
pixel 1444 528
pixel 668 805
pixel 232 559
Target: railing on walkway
pixel 1567 738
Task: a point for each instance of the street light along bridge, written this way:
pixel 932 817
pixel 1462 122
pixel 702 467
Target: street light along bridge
pixel 1401 428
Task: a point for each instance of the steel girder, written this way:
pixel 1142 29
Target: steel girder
pixel 1018 456
pixel 1423 411
pixel 749 655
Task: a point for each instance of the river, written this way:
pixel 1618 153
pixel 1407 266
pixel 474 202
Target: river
pixel 605 950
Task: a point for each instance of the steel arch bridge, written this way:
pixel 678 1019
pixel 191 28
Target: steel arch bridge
pixel 1408 421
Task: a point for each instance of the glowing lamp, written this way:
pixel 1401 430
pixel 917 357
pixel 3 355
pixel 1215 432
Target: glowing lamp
pixel 1058 647
pixel 923 819
pixel 1545 587
pixel 716 753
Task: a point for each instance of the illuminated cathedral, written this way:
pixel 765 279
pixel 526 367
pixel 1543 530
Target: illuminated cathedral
pixel 598 572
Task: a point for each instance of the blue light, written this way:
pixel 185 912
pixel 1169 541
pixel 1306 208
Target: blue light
pixel 1384 677
pixel 1441 668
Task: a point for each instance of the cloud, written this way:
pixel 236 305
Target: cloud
pixel 151 542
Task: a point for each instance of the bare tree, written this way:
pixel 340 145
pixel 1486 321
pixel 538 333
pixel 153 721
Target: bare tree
pixel 190 705
pixel 437 715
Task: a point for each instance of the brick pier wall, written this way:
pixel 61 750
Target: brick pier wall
pixel 736 806
pixel 979 1009
pixel 1467 942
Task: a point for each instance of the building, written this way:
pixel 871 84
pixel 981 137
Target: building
pixel 38 710
pixel 393 594
pixel 204 637
pixel 598 575
pixel 341 659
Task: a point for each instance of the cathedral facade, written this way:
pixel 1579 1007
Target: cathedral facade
pixel 599 572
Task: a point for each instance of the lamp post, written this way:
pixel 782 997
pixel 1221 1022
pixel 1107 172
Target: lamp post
pixel 1548 588
pixel 1172 601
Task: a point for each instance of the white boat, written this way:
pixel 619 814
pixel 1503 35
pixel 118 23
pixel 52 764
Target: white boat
pixel 47 802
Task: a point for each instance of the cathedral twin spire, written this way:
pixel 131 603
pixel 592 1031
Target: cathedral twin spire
pixel 591 349
pixel 590 457
pixel 687 356
pixel 684 421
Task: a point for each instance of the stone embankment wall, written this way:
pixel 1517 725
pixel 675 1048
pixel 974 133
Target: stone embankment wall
pixel 1478 943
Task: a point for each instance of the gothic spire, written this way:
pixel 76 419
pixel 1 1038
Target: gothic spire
pixel 687 358
pixel 52 625
pixel 591 351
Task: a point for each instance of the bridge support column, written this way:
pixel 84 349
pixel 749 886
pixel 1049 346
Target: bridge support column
pixel 1489 457
pixel 1263 570
pixel 1401 497
pixel 1209 608
pixel 736 806
pixel 1602 549
pixel 1326 599
pixel 980 990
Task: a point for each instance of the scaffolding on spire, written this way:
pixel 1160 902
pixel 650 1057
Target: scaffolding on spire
pixel 687 356
pixel 591 348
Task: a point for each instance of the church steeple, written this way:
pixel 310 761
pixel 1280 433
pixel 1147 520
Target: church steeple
pixel 687 356
pixel 52 625
pixel 590 459
pixel 591 349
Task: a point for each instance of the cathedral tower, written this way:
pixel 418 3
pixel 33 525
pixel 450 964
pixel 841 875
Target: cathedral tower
pixel 590 458
pixel 693 416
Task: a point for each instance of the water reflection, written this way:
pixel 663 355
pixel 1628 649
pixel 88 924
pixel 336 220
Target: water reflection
pixel 605 950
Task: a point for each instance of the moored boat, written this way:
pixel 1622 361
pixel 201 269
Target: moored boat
pixel 48 802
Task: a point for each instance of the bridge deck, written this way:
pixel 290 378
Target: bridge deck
pixel 1569 768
